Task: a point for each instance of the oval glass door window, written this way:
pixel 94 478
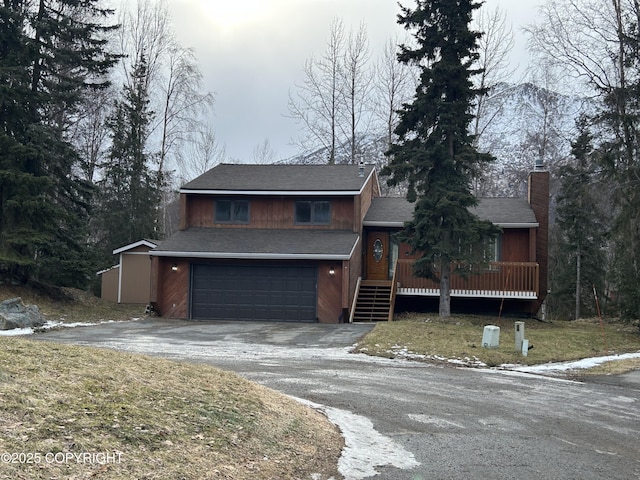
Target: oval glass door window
pixel 378 250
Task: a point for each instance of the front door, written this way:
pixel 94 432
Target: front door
pixel 377 263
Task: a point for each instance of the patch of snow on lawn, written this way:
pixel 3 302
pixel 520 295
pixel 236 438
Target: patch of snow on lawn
pixel 550 368
pixel 403 352
pixel 16 331
pixel 50 325
pixel 364 447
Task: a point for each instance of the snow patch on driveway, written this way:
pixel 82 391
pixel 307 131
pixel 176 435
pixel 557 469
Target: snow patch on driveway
pixel 365 448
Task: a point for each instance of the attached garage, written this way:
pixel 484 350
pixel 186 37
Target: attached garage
pixel 255 274
pixel 253 292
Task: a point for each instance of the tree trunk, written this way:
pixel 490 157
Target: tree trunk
pixel 445 289
pixel 578 282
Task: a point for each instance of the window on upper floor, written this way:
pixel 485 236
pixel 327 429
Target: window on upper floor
pixel 313 212
pixel 229 210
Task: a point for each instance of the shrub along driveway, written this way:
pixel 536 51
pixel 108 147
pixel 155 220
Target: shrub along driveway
pixel 426 421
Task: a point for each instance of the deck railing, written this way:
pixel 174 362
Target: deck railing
pixel 493 280
pixel 394 290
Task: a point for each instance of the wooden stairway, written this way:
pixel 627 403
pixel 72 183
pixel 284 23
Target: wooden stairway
pixel 374 301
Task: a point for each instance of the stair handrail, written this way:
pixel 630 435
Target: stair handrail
pixel 355 300
pixel 394 289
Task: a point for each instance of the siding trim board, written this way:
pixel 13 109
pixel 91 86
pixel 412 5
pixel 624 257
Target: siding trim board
pixel 255 256
pixel 140 243
pixel 288 193
pixel 373 223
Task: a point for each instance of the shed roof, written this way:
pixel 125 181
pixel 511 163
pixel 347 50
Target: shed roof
pixel 140 243
pixel 504 212
pixel 318 179
pixel 259 244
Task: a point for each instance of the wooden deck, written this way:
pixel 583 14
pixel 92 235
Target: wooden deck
pixel 516 280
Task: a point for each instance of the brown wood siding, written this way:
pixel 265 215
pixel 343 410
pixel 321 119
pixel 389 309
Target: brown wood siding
pixel 153 293
pixel 269 212
pixel 184 221
pixel 329 292
pixel 366 198
pixel 515 245
pixel 173 288
pixel 199 211
pixel 355 271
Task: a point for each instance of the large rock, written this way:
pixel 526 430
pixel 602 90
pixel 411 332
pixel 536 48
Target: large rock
pixel 14 314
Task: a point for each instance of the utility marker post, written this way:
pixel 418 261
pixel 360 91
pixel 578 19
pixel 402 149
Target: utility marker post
pixel 519 335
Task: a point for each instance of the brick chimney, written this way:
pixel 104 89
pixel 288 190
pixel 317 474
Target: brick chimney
pixel 538 196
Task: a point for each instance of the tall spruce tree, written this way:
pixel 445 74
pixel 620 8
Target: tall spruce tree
pixel 621 116
pixel 129 190
pixel 580 260
pixel 51 51
pixel 434 153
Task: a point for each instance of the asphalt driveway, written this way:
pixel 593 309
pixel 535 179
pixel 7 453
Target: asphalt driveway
pixel 415 420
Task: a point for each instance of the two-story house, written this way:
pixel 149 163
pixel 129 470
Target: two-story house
pixel 314 243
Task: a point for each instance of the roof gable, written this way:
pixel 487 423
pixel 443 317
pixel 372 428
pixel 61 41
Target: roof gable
pixel 293 179
pixel 151 244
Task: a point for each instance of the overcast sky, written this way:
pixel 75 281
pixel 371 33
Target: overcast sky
pixel 251 53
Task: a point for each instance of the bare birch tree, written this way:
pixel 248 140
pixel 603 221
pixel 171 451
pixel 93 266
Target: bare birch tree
pixel 582 37
pixel 183 99
pixel 394 85
pixel 89 133
pixel 597 42
pixel 263 153
pixel 173 80
pixel 145 32
pixel 315 104
pixel 356 86
pixel 494 47
pixel 202 152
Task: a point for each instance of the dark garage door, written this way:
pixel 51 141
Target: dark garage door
pixel 253 292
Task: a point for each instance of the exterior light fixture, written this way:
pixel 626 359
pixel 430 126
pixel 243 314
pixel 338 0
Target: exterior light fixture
pixel 332 271
pixel 174 267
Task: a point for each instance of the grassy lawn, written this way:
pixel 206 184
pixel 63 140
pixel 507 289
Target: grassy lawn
pixel 460 338
pixel 130 416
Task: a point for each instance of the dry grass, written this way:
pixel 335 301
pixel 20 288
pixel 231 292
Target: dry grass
pixel 460 338
pixel 614 368
pixel 77 306
pixel 161 419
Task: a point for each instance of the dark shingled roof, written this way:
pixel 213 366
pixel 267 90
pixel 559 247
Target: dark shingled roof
pixel 387 211
pixel 505 211
pixel 274 178
pixel 258 243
